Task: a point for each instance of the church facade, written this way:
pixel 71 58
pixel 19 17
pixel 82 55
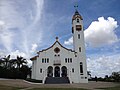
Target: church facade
pixel 58 61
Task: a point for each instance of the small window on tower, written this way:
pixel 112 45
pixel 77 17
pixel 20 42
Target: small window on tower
pixel 73 70
pixel 77 20
pixel 79 49
pixel 78 36
pixel 40 70
pixel 81 68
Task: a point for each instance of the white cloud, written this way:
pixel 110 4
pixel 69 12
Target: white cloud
pixel 17 53
pixel 6 38
pixel 101 32
pixel 17 29
pixel 34 47
pixel 1 23
pixel 103 65
pixel 69 41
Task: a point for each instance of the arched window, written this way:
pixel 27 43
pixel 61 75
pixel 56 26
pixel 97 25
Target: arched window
pixel 81 68
pixel 47 60
pixel 78 36
pixel 79 49
pixel 42 60
pixel 77 20
pixel 64 71
pixel 40 70
pixel 72 70
pixel 50 71
pixel 65 60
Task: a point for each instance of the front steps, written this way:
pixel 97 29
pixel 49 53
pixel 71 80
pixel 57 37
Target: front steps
pixel 57 80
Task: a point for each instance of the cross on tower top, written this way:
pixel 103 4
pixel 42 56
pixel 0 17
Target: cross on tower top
pixel 76 6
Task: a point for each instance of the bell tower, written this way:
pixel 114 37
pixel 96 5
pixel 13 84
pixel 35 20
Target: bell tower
pixel 79 46
pixel 78 33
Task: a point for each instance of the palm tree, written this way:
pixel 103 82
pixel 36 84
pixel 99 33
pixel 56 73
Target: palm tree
pixel 1 61
pixel 6 61
pixel 20 61
pixel 12 63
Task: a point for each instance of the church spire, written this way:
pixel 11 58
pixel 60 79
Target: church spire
pixel 76 14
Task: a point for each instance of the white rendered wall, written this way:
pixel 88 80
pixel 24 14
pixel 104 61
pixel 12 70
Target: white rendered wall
pixel 63 54
pixel 81 55
pixel 75 76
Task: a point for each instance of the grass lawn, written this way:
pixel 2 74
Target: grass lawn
pixel 112 88
pixel 2 87
pixel 58 89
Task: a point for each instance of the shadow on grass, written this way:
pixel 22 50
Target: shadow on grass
pixel 58 89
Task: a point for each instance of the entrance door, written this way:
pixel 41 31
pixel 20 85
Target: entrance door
pixel 50 71
pixel 64 71
pixel 57 71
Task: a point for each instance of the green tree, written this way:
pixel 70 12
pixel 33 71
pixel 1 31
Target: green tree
pixel 25 71
pixel 116 76
pixel 20 61
pixel 6 61
pixel 1 61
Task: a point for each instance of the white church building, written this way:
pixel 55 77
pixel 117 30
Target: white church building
pixel 58 64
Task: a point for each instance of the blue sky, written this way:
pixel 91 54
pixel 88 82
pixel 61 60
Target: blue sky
pixel 27 26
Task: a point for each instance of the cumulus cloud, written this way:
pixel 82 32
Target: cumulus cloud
pixel 1 23
pixel 101 32
pixel 34 47
pixel 17 53
pixel 69 41
pixel 103 65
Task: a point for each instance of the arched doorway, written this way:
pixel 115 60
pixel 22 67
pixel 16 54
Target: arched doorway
pixel 57 71
pixel 50 71
pixel 64 71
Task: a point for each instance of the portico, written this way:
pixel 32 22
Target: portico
pixel 57 71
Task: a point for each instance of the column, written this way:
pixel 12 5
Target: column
pixel 60 72
pixel 53 71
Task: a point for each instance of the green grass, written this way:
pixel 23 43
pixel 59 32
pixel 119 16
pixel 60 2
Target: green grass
pixel 112 88
pixel 3 87
pixel 58 89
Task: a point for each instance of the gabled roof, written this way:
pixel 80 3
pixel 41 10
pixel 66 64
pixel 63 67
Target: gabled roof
pixel 59 44
pixel 35 57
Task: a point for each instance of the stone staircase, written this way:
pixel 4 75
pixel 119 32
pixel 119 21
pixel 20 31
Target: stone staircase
pixel 57 80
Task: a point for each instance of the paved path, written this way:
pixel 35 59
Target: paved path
pixel 23 84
